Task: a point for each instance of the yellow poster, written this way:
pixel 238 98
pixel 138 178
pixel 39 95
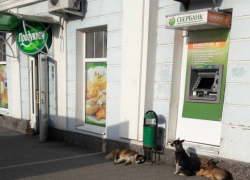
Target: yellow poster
pixel 96 93
pixel 3 87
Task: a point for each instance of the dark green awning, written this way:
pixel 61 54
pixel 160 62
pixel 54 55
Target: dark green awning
pixel 11 21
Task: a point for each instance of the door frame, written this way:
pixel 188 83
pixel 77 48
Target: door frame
pixel 33 85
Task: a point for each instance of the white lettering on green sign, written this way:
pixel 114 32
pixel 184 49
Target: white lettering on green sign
pixel 34 40
pixel 31 37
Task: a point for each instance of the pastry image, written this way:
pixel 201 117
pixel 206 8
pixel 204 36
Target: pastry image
pixel 92 101
pixel 103 97
pixel 101 114
pixel 91 106
pixel 3 90
pixel 90 110
pixel 2 73
pixel 89 86
pixel 96 94
pixel 99 81
pixel 4 97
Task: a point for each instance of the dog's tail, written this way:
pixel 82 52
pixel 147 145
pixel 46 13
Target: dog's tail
pixel 109 156
pixel 113 155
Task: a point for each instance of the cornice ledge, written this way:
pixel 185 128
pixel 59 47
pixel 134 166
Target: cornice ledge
pixel 9 4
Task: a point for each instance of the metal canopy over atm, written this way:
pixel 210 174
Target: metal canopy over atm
pixel 199 20
pixel 11 22
pixel 186 3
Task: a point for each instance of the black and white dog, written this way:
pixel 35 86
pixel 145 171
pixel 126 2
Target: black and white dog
pixel 182 160
pixel 126 155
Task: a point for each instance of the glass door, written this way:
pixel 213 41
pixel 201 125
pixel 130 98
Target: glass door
pixel 43 97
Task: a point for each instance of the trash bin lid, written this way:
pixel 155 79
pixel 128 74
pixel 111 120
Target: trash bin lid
pixel 150 115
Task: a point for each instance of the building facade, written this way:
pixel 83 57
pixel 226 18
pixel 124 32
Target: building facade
pixel 121 56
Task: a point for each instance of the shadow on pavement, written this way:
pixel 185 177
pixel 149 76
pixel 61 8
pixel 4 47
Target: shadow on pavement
pixel 23 156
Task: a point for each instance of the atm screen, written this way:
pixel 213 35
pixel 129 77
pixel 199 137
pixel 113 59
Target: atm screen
pixel 206 83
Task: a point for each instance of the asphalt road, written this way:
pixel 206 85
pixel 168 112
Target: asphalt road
pixel 23 157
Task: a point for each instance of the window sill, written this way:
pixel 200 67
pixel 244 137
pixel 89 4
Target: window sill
pixel 4 112
pixel 92 129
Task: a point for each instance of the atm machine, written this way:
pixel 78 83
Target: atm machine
pixel 204 83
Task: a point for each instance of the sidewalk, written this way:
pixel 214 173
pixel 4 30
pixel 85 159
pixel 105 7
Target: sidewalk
pixel 23 157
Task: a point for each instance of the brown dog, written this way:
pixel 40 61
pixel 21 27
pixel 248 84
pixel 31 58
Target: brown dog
pixel 210 170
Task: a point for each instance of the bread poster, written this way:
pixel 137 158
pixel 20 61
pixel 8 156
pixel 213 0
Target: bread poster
pixel 3 87
pixel 96 79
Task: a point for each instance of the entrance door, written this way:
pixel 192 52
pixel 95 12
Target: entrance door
pixel 195 130
pixel 43 97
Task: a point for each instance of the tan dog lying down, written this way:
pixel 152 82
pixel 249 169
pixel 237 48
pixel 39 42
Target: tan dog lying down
pixel 210 170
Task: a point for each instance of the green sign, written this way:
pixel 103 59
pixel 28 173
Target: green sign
pixel 205 50
pixel 172 21
pixel 36 37
pixel 187 19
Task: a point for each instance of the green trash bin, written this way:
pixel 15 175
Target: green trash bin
pixel 150 130
pixel 149 136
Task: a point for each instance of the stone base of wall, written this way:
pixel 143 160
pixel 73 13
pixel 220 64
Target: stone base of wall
pixel 20 125
pixel 238 170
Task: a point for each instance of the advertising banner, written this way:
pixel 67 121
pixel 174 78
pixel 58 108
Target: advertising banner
pixel 96 78
pixel 219 19
pixel 206 49
pixel 3 87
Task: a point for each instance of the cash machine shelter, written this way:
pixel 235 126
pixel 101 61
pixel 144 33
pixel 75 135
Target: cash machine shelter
pixel 203 74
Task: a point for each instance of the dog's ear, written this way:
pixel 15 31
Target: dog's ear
pixel 182 141
pixel 210 160
pixel 202 160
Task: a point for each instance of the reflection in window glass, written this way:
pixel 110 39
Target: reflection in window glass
pixel 99 44
pixel 90 53
pixel 2 47
pixel 96 44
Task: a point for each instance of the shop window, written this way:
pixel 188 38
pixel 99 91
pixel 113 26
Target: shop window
pixel 91 80
pixel 2 48
pixel 96 77
pixel 3 74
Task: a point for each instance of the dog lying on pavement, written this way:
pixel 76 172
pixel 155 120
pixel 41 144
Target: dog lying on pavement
pixel 125 155
pixel 211 171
